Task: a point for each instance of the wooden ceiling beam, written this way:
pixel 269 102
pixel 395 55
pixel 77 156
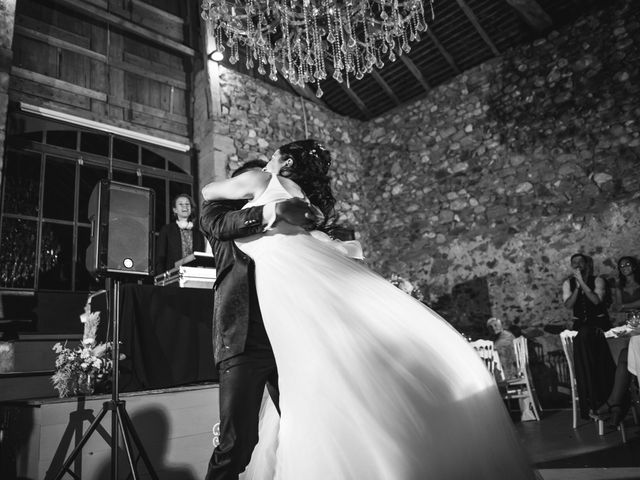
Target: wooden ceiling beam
pixel 385 86
pixel 415 72
pixel 533 14
pixel 443 51
pixel 85 8
pixel 352 95
pixel 474 20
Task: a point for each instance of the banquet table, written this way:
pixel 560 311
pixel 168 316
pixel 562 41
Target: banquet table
pixel 620 338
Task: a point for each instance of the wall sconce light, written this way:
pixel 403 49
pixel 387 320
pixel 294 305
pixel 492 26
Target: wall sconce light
pixel 216 56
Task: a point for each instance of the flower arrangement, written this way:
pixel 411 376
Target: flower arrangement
pixel 406 286
pixel 79 369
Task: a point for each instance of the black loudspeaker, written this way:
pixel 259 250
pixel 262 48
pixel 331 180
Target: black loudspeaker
pixel 121 217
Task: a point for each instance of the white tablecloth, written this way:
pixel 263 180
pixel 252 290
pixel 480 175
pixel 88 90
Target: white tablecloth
pixel 634 355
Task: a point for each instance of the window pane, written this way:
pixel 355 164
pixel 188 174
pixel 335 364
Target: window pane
pixel 89 177
pixel 59 188
pixel 152 159
pixel 18 253
pixel 31 127
pixel 56 257
pixel 84 281
pixel 63 138
pixel 158 186
pixel 22 183
pixel 125 177
pixel 124 150
pixel 179 165
pixel 97 143
pixel 176 161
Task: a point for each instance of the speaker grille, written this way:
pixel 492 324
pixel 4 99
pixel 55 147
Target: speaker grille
pixel 128 229
pixel 122 235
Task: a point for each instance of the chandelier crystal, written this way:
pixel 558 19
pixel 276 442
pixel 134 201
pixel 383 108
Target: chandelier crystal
pixel 307 39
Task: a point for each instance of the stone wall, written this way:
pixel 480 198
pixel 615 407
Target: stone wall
pixel 481 192
pixel 7 19
pixel 256 118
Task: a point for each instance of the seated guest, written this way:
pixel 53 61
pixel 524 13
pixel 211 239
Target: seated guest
pixel 179 238
pixel 626 298
pixel 583 293
pixel 503 344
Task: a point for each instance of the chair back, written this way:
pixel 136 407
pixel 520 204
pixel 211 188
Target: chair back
pixel 566 338
pixel 521 347
pixel 486 351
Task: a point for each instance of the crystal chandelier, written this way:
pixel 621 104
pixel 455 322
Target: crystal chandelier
pixel 305 39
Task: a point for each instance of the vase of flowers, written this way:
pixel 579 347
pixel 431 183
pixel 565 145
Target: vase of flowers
pixel 80 369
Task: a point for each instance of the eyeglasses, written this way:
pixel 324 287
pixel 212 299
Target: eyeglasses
pixel 626 265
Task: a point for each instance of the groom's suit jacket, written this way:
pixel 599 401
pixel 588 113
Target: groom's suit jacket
pixel 222 222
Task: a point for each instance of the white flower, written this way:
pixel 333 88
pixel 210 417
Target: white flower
pixel 406 286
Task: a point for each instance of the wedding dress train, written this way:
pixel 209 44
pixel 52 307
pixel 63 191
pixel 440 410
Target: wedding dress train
pixel 373 384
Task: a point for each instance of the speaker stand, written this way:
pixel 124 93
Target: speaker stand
pixel 121 424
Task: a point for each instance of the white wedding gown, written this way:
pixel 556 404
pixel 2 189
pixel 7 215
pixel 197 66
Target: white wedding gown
pixel 373 384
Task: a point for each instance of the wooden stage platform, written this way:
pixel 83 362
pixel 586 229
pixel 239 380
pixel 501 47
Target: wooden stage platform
pixel 175 426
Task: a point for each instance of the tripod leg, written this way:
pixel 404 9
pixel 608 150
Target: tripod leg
pixel 83 440
pixel 128 424
pixel 126 442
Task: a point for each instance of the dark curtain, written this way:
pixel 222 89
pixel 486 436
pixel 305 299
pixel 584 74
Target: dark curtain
pixel 165 333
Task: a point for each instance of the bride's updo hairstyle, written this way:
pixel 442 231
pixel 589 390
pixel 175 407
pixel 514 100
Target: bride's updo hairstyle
pixel 311 162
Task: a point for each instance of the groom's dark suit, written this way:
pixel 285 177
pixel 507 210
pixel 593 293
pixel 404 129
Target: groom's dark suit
pixel 243 354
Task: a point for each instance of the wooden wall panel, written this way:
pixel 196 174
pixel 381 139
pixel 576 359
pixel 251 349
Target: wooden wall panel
pixel 173 74
pixel 180 102
pixel 46 28
pixel 74 68
pixel 65 58
pixel 162 58
pixel 24 90
pixel 34 56
pixel 150 17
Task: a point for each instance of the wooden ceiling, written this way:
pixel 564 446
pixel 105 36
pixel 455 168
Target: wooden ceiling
pixel 465 33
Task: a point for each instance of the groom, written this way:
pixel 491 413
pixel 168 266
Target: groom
pixel 242 350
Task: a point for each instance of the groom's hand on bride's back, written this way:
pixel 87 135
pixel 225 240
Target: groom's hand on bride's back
pixel 295 211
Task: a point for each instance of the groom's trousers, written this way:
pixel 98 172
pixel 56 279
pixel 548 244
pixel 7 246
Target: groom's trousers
pixel 242 382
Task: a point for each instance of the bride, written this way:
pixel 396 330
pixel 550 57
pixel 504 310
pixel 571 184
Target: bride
pixel 373 384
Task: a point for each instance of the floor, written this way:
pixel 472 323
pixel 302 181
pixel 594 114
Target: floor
pixel 561 453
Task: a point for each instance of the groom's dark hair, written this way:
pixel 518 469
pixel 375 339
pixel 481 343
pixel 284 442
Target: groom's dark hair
pixel 250 165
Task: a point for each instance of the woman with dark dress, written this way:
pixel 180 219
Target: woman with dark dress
pixel 179 238
pixel 626 298
pixel 584 294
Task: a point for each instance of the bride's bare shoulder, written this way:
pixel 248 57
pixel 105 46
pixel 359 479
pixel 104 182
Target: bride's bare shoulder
pixel 291 186
pixel 254 176
pixel 247 185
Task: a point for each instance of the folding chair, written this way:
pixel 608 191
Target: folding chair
pixel 521 387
